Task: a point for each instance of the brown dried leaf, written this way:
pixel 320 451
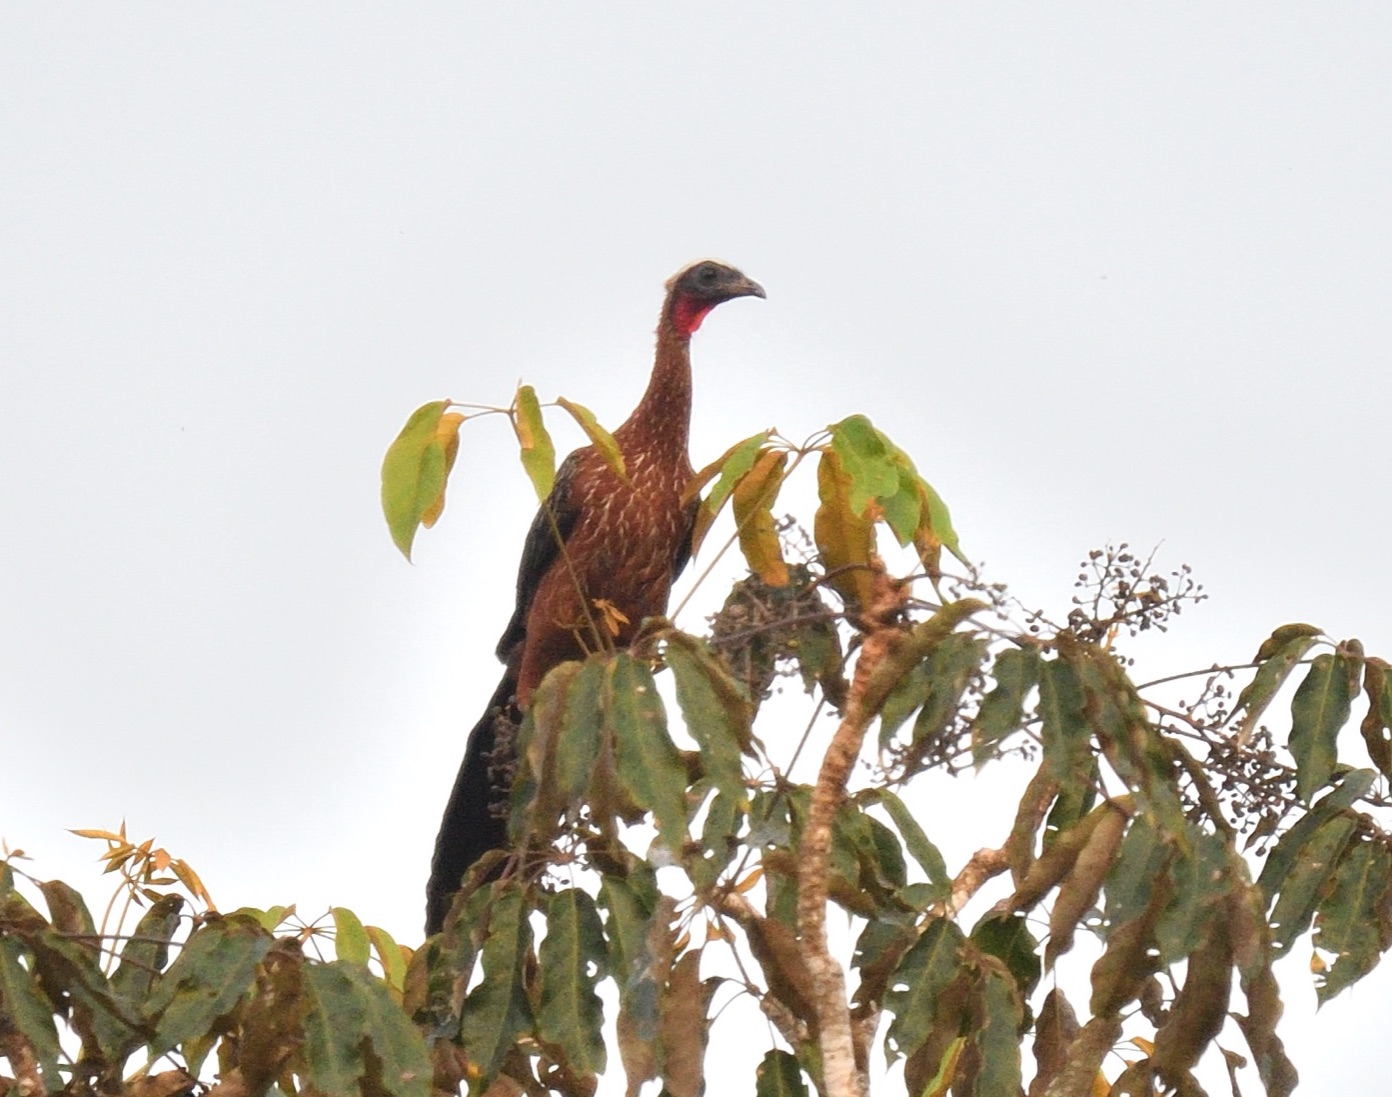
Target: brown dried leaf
pixel 1200 1009
pixel 685 1028
pixel 1078 893
pixel 1054 1032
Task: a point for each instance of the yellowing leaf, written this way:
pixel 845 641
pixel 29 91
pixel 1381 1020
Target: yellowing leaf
pixel 1100 1086
pixel 351 942
pixel 447 434
pixel 755 875
pixel 538 452
pixel 732 466
pixel 610 616
pixel 600 438
pixel 413 474
pixel 1145 1045
pixel 753 498
pixel 845 538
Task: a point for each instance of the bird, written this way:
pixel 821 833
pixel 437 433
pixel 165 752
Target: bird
pixel 601 554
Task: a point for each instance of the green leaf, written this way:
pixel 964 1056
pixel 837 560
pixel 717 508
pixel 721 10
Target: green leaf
pixel 600 438
pixel 719 833
pixel 866 459
pixel 1353 917
pixel 779 1075
pixel 1140 863
pixel 997 1040
pixel 903 511
pixel 24 1007
pixel 1319 710
pixel 350 939
pixel 347 1012
pixel 913 990
pixel 538 453
pixel 497 1010
pixel 1201 888
pixel 630 902
pixel 580 738
pixel 216 967
pixel 1016 671
pixel 1279 655
pixel 1065 730
pixel 413 473
pixel 732 465
pixel 573 960
pixel 1006 936
pixel 145 954
pixel 1378 720
pixel 935 528
pixel 649 767
pixel 1300 889
pixel 920 848
pixel 716 713
pixel 389 955
pixel 951 667
pixel 67 910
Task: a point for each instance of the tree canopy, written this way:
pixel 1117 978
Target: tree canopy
pixel 1169 841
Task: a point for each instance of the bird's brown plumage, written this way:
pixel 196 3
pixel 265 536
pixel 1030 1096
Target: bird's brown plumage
pixel 600 556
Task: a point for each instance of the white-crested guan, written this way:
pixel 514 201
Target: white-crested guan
pixel 625 541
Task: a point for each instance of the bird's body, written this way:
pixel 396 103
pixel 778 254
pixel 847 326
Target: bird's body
pixel 600 556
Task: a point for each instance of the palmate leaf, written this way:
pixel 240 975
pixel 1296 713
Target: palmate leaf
pixel 880 472
pixel 640 1000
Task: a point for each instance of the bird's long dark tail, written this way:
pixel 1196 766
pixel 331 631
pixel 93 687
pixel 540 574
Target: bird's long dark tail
pixel 475 820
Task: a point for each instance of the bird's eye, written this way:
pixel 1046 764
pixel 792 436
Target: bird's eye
pixel 709 274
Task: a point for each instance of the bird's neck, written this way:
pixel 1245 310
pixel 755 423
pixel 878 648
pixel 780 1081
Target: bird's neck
pixel 662 419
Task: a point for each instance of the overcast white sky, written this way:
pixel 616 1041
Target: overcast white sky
pixel 1107 271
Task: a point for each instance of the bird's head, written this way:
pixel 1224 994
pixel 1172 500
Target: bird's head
pixel 693 291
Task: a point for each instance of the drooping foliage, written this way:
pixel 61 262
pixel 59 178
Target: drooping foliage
pixel 1190 836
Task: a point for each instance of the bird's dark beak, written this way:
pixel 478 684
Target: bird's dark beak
pixel 747 287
